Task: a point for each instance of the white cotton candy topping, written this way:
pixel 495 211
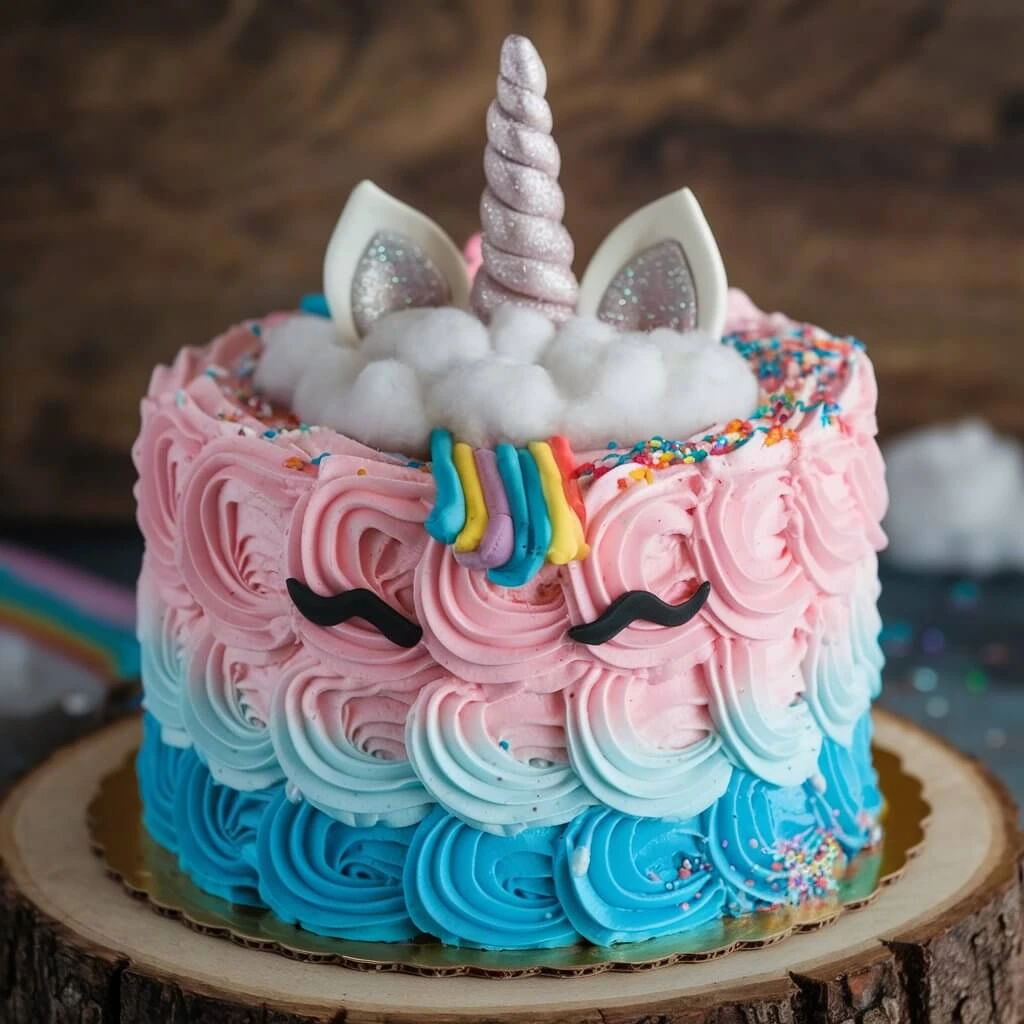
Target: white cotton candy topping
pixel 522 379
pixel 955 498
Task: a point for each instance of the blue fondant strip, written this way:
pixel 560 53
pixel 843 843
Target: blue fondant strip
pixel 516 571
pixel 538 534
pixel 315 304
pixel 448 516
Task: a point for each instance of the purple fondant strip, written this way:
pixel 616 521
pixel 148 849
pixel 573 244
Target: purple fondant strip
pixel 499 538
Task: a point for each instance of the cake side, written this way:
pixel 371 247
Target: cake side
pixel 496 723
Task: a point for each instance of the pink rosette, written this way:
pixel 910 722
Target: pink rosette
pixel 234 519
pixel 646 749
pixel 741 543
pixel 485 633
pixel 838 498
pixel 641 538
pixel 175 428
pixel 362 528
pixel 227 708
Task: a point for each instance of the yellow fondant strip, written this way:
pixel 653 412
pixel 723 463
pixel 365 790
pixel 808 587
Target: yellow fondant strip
pixel 476 508
pixel 567 541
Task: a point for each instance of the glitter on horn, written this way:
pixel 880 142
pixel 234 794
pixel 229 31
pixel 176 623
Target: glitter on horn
pixel 527 252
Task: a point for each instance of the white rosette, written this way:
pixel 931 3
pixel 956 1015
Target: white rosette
pixel 646 749
pixel 341 745
pixel 759 712
pixel 494 756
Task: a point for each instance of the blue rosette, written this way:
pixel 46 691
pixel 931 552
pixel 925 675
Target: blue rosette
pixel 626 879
pixel 473 888
pixel 331 878
pixel 158 767
pixel 217 828
pixel 845 796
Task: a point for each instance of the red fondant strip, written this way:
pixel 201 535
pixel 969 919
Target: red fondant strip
pixel 562 451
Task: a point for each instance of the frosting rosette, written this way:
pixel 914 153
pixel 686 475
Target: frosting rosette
pixel 845 796
pixel 838 686
pixel 163 632
pixel 757 706
pixel 486 633
pixel 768 846
pixel 759 591
pixel 646 749
pixel 193 360
pixel 470 888
pixel 330 878
pixel 175 429
pixel 217 827
pixel 341 744
pixel 641 538
pixel 837 503
pixel 235 513
pixel 494 757
pixel 158 767
pixel 362 528
pixel 625 879
pixel 227 708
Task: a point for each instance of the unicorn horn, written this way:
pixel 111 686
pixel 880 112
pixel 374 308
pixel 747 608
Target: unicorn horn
pixel 527 252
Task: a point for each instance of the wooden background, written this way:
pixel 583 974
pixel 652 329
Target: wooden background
pixel 170 167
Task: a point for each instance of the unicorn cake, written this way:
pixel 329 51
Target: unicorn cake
pixel 489 606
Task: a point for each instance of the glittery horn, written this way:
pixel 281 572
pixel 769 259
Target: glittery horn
pixel 527 252
pixel 385 256
pixel 659 268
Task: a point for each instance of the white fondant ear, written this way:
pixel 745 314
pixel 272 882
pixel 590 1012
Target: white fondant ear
pixel 659 268
pixel 385 256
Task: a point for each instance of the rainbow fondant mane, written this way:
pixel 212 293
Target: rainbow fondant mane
pixel 507 510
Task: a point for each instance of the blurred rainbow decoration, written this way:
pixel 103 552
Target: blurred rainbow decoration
pixel 509 510
pixel 660 267
pixel 85 619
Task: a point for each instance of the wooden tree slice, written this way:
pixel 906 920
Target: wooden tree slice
pixel 946 943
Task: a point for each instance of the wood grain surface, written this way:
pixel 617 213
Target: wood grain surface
pixel 169 168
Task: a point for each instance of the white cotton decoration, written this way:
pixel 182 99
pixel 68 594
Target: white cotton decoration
pixel 955 494
pixel 521 379
pixel 288 346
pixel 520 334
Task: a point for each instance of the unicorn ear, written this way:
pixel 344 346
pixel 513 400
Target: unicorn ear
pixel 659 268
pixel 385 256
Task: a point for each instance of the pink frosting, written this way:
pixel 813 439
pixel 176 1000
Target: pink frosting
pixel 489 634
pixel 741 546
pixel 230 509
pixel 641 538
pixel 362 527
pixel 742 315
pixel 234 518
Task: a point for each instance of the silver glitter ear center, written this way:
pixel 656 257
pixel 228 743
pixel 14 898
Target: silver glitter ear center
pixel 654 289
pixel 394 273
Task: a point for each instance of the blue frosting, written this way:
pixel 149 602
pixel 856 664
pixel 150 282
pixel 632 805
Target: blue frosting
pixel 472 888
pixel 605 877
pixel 517 570
pixel 156 767
pixel 448 516
pixel 332 878
pixel 849 802
pixel 217 829
pixel 315 304
pixel 625 879
pixel 750 831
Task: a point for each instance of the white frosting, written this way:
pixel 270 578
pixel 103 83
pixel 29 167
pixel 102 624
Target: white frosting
pixel 518 381
pixel 955 494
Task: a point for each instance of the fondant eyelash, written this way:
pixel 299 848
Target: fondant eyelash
pixel 639 604
pixel 354 604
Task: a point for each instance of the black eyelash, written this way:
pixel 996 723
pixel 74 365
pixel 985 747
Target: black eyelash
pixel 639 604
pixel 354 604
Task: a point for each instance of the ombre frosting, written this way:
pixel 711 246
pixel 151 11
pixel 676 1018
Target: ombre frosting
pixel 497 770
pixel 602 876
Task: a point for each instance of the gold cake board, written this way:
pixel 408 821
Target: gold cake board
pixel 945 943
